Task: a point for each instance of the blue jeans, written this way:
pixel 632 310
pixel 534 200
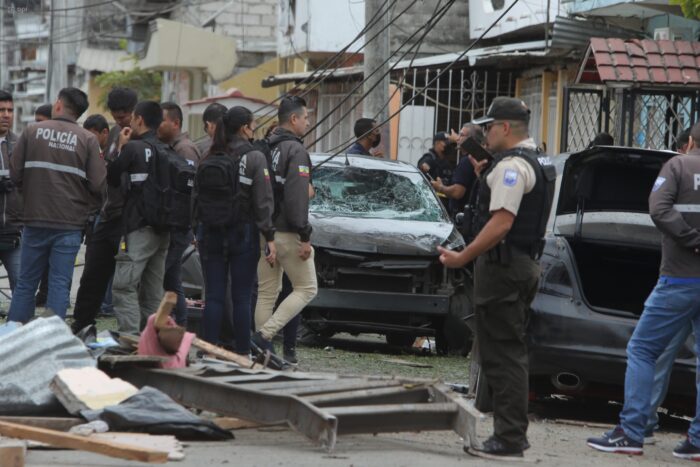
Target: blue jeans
pixel 670 308
pixel 662 377
pixel 42 247
pixel 234 251
pixel 11 260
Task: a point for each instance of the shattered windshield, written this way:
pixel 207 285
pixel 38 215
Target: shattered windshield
pixel 369 193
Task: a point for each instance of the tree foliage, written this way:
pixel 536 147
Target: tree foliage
pixel 691 8
pixel 145 83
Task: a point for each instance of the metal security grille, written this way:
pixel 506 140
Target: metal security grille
pixel 658 118
pixel 637 118
pixel 585 115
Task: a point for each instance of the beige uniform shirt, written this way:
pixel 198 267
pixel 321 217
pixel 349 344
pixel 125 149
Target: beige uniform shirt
pixel 510 180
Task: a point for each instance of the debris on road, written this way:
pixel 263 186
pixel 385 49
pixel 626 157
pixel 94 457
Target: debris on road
pixel 69 441
pixel 397 361
pixel 32 355
pixel 151 411
pixel 12 452
pixel 89 389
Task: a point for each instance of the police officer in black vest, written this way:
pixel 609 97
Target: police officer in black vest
pixel 514 199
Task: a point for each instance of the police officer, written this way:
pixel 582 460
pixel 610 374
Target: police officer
pixel 673 305
pixel 10 202
pixel 514 201
pixel 434 162
pixel 295 256
pixel 140 263
pixel 212 114
pixel 463 177
pixel 95 291
pixel 233 251
pixel 57 166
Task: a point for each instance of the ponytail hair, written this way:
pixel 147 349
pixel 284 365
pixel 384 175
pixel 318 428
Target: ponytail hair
pixel 228 127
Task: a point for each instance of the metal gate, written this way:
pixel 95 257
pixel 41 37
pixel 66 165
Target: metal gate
pixel 634 117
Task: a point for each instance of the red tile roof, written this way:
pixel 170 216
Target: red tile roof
pixel 642 61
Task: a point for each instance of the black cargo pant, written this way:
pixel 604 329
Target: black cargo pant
pixel 502 296
pixel 172 279
pixel 102 246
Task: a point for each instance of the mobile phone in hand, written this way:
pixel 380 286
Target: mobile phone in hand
pixel 474 149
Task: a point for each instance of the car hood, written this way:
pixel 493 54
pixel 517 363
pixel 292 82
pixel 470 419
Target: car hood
pixel 604 194
pixel 385 236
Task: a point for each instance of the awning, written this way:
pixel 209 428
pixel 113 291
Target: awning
pixel 104 60
pixel 473 56
pixel 664 63
pixel 231 98
pixel 172 45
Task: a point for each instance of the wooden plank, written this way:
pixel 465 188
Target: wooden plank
pixel 231 423
pixel 218 352
pixel 65 440
pixel 165 443
pixel 12 453
pixel 398 361
pixel 50 423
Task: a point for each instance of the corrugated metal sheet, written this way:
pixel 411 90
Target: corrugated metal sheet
pixel 104 60
pixel 575 34
pixel 29 359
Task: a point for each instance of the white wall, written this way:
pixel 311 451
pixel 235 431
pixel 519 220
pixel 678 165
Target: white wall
pixel 319 26
pixel 483 13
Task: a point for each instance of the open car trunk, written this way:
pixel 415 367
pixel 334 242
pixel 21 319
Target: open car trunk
pixel 603 213
pixel 615 277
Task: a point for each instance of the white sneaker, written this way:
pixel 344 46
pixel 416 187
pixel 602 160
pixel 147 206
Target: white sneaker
pixel 649 440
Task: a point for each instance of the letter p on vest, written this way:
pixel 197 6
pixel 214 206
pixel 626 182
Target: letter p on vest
pixel 696 181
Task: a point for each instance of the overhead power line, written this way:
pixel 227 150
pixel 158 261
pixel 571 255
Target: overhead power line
pixel 350 141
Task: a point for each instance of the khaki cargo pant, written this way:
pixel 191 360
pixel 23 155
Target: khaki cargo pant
pixel 138 278
pixel 502 296
pixel 302 275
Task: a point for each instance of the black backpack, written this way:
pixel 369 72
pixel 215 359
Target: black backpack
pixel 167 190
pixel 272 156
pixel 216 200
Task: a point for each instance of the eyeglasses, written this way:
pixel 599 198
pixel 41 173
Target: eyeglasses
pixel 492 124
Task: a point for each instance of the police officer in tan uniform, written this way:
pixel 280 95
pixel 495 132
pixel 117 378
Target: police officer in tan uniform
pixel 514 199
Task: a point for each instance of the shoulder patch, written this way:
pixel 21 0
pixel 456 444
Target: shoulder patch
pixel 510 177
pixel 303 171
pixel 657 184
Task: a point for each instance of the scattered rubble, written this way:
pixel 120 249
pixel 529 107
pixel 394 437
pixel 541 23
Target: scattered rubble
pixel 89 389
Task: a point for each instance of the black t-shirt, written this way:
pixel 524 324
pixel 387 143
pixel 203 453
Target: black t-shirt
pixel 463 175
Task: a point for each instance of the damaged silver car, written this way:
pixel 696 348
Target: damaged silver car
pixel 376 228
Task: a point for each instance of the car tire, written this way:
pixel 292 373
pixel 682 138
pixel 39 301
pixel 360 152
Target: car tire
pixel 398 339
pixel 455 329
pixel 311 335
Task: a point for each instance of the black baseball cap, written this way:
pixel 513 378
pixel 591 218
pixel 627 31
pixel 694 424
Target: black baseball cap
pixel 441 136
pixel 505 108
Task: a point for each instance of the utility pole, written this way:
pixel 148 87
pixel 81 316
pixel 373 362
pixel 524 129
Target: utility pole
pixel 49 62
pixel 376 52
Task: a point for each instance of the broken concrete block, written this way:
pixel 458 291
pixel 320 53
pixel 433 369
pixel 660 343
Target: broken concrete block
pixel 89 389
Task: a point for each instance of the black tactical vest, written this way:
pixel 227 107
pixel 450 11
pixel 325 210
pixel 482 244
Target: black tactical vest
pixel 530 224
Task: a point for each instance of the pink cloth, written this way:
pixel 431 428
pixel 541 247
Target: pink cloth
pixel 149 345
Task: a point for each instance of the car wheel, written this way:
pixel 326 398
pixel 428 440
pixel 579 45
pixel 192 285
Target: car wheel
pixel 455 329
pixel 397 339
pixel 312 335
